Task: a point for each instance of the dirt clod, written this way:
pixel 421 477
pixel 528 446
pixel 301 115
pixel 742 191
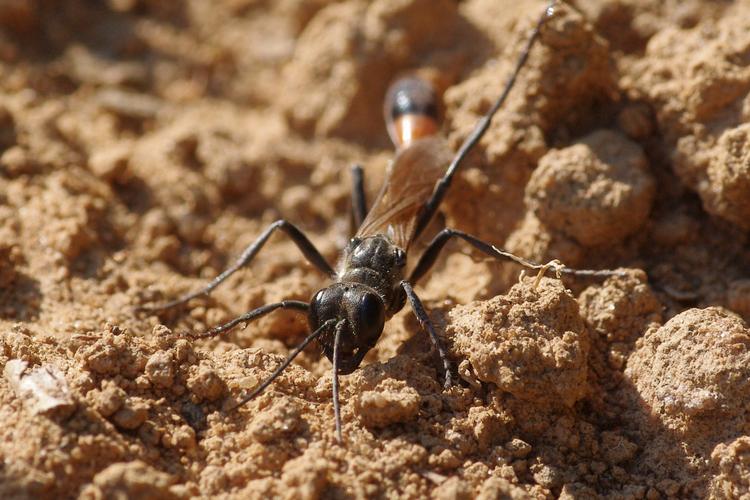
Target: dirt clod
pixel 131 415
pixel 531 343
pixel 621 309
pixel 206 384
pixel 160 369
pixel 706 353
pixel 596 192
pixel 384 406
pixel 130 480
pixel 282 419
pixel 109 399
pixel 733 463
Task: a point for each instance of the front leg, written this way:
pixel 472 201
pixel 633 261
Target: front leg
pixel 424 321
pixel 278 371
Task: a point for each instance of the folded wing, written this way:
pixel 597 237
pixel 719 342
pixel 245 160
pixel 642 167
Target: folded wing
pixel 408 185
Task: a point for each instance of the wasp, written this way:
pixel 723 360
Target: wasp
pixel 370 283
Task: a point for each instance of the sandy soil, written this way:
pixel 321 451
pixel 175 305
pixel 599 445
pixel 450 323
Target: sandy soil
pixel 143 144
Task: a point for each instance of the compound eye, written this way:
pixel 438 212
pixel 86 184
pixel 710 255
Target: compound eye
pixel 371 316
pixel 319 309
pixel 400 258
pixel 318 297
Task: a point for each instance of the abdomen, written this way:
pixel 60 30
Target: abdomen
pixel 411 110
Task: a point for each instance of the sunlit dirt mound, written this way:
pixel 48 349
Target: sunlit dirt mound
pixel 145 144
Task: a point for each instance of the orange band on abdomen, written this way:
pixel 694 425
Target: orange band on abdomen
pixel 410 110
pixel 408 128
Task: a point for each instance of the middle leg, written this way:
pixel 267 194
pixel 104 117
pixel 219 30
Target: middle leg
pixel 298 237
pixel 253 315
pixel 438 242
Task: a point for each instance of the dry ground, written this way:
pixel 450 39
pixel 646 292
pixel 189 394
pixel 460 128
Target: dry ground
pixel 143 144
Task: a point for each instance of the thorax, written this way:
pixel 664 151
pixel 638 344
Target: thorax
pixel 376 262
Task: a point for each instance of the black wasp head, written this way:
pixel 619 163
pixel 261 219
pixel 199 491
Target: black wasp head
pixel 363 313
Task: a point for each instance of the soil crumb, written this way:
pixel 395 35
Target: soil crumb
pixel 145 144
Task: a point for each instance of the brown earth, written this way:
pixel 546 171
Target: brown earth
pixel 143 144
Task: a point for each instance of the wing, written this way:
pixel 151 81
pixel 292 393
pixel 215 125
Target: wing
pixel 408 185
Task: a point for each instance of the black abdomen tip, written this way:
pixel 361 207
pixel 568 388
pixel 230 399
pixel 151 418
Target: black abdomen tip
pixel 410 109
pixel 410 95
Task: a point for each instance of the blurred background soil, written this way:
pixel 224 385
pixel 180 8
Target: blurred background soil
pixel 143 144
